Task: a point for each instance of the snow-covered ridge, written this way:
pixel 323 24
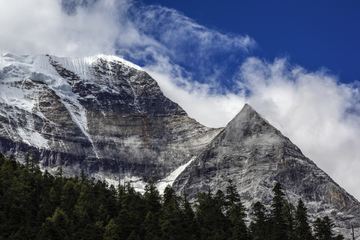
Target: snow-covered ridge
pixel 40 68
pixel 16 70
pixel 41 63
pixel 80 65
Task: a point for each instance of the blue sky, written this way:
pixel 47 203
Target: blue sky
pixel 295 62
pixel 313 34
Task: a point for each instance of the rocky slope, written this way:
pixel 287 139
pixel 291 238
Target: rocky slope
pixel 100 114
pixel 255 156
pixel 108 117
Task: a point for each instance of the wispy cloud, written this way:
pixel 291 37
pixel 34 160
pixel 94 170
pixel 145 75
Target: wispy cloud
pixel 192 62
pixel 178 40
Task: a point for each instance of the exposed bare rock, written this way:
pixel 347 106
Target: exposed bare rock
pixel 99 114
pixel 255 156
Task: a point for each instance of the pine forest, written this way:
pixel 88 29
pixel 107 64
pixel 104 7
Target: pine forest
pixel 38 205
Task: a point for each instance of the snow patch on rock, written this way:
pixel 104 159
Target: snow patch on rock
pixel 161 185
pixel 33 138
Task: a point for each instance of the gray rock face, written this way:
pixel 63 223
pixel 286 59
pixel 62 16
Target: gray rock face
pixel 255 156
pixel 108 117
pixel 100 114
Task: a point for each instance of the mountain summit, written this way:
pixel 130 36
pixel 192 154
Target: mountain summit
pixel 255 155
pixel 108 117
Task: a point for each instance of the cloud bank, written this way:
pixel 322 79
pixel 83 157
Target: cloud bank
pixel 209 73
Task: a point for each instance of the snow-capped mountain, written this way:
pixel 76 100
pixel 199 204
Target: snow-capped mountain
pixel 100 114
pixel 108 117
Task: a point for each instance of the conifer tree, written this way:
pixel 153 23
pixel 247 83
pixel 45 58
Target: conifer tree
pixel 152 198
pixel 279 227
pixel 69 197
pixel 220 200
pixel 302 227
pixel 172 216
pixel 112 231
pixel 152 228
pixel 153 207
pixel 260 225
pixel 238 226
pixel 92 231
pixel 133 211
pixel 169 194
pixel 27 159
pixel 127 221
pixel 190 227
pixel 323 229
pixel 211 221
pixel 59 172
pixel 289 219
pixel 232 196
pixel 236 213
pixel 134 236
pixel 57 227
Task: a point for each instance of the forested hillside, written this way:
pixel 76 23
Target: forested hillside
pixel 38 205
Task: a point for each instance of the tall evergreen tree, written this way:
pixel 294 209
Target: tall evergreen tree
pixel 112 231
pixel 133 211
pixel 152 228
pixel 153 207
pixel 172 216
pixel 232 196
pixel 237 216
pixel 235 211
pixel 278 222
pixel 211 221
pixel 56 227
pixel 302 227
pixel 323 229
pixel 169 194
pixel 152 198
pixel 288 211
pixel 190 227
pixel 260 225
pixel 69 197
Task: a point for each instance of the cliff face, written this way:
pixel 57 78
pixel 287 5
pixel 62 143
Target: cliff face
pixel 255 155
pixel 109 118
pixel 100 114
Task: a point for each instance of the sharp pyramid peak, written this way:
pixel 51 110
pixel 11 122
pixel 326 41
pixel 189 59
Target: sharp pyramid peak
pixel 246 114
pixel 249 123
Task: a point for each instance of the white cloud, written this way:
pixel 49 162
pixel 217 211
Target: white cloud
pixel 210 109
pixel 40 26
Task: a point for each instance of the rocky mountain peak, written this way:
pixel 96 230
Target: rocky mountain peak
pixel 255 155
pixel 249 124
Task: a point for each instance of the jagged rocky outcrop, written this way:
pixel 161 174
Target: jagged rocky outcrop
pixel 255 155
pixel 108 117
